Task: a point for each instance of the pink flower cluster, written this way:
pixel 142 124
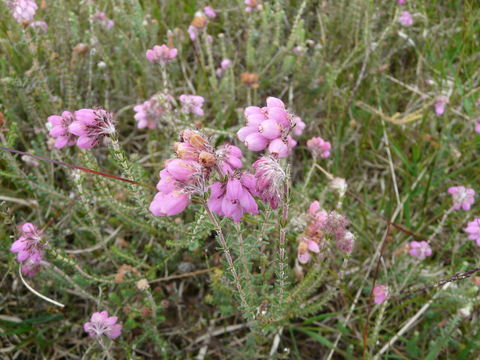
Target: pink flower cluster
pixel 322 224
pixel 380 293
pixel 473 231
pixel 151 112
pixel 29 248
pixel 232 196
pixel 463 198
pixel 420 249
pixel 102 324
pixel 477 125
pixel 85 127
pixel 270 127
pixel 101 19
pixel 319 147
pixel 192 104
pixel 269 177
pixel 22 10
pixel 406 19
pixel 161 54
pixel 183 176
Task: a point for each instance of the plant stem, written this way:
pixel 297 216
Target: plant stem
pixel 105 348
pixel 283 232
pixel 310 173
pixel 228 256
pixel 241 250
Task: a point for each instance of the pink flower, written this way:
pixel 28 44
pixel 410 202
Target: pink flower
pixel 30 268
pixel 345 242
pixel 473 230
pixel 269 177
pixel 151 112
pixel 39 26
pixel 233 198
pixel 256 142
pixel 318 220
pixel 29 245
pixel 420 250
pixel 304 248
pixel 192 104
pixel 208 10
pixel 401 2
pixel 192 32
pixel 270 127
pixel 319 147
pixel 91 126
pixel 170 204
pixel 299 126
pixel 332 224
pixel 380 293
pixel 102 324
pixel 59 129
pixel 22 10
pixel 463 198
pixel 314 208
pixel 229 158
pixel 406 19
pixel 477 126
pixel 336 224
pixel 225 64
pixel 183 170
pixel 161 54
pixel 440 103
pixel 101 19
pixel 252 5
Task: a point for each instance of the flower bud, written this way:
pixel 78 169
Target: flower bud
pixel 206 159
pixel 197 141
pixel 199 21
pixel 250 79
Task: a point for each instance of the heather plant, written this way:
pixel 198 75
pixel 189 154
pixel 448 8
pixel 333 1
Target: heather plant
pixel 239 180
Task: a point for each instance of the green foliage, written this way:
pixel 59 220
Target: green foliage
pixel 354 75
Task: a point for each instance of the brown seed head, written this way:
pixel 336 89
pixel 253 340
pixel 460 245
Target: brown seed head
pixel 206 159
pixel 197 141
pixel 250 79
pixel 80 48
pixel 199 21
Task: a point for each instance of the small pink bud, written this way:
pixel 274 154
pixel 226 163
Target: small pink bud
pixel 380 293
pixel 208 10
pixel 256 142
pixel 278 147
pixel 269 129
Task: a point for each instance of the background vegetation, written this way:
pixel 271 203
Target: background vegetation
pixel 362 81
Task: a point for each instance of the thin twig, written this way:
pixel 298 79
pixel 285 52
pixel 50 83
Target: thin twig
pixel 410 322
pixel 51 301
pixel 71 166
